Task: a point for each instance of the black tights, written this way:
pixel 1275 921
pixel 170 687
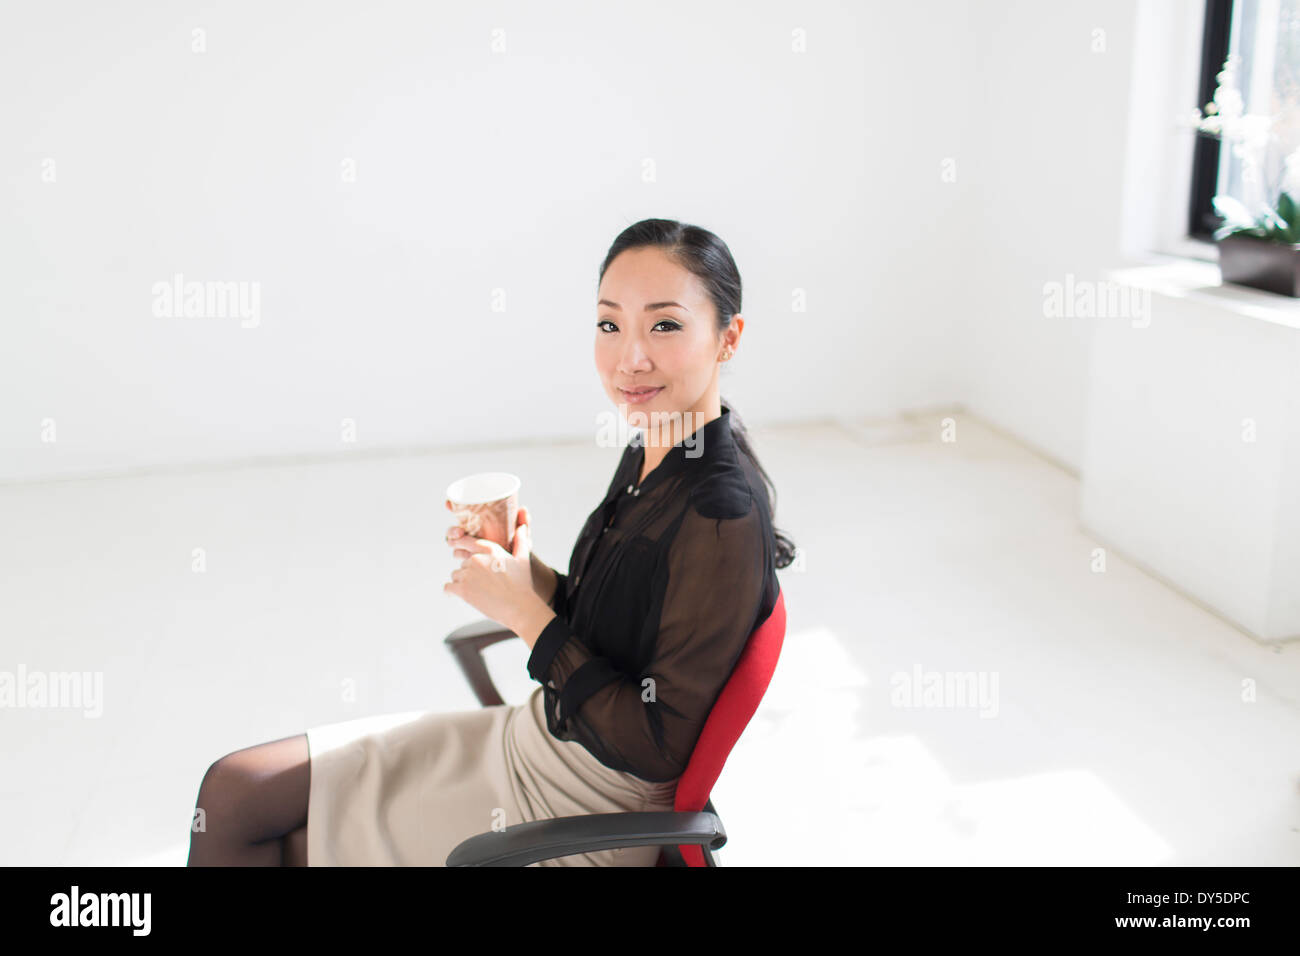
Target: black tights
pixel 255 807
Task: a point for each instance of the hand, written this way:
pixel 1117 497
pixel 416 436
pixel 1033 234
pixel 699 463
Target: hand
pixel 496 582
pixel 460 539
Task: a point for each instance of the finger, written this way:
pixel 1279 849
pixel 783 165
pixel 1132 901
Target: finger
pixel 522 543
pixel 467 541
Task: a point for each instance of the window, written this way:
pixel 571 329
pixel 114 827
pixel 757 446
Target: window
pixel 1265 36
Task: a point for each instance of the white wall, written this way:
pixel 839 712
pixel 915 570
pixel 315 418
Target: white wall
pixel 1047 164
pixel 475 170
pixel 479 171
pixel 1193 443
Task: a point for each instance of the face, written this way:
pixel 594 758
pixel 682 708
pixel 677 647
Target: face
pixel 657 328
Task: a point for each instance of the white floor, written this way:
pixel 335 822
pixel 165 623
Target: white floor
pixel 1116 731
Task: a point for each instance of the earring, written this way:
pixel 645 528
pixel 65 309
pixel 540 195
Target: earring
pixel 726 354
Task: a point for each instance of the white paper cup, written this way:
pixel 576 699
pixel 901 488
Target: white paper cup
pixel 486 505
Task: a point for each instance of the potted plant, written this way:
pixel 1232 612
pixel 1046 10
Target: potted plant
pixel 1260 246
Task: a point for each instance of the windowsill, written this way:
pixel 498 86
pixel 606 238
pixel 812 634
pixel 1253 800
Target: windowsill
pixel 1199 281
pixel 1189 248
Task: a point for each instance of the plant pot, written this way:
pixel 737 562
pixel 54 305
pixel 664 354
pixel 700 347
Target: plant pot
pixel 1260 264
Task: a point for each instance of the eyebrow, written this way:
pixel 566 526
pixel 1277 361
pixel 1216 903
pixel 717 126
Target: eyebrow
pixel 652 307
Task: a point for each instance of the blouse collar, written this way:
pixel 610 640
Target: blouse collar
pixel 707 443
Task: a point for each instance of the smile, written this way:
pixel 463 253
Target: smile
pixel 641 395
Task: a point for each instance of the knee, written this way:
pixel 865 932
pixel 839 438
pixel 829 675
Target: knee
pixel 221 827
pixel 222 787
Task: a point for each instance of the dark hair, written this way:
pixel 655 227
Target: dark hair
pixel 708 257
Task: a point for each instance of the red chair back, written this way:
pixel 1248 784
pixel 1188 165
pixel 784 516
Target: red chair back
pixel 730 715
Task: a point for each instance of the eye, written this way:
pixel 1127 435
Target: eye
pixel 671 326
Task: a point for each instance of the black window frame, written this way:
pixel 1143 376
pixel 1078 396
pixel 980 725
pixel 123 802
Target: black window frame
pixel 1202 219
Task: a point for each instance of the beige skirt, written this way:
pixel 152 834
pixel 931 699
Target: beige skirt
pixel 404 789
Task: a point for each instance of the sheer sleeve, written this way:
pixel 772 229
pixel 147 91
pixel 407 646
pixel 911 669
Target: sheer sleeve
pixel 647 723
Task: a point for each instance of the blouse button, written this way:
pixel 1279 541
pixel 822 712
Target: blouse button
pixel 629 489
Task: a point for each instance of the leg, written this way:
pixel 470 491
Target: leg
pixel 295 848
pixel 252 799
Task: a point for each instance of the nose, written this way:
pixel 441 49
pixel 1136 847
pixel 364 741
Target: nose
pixel 633 358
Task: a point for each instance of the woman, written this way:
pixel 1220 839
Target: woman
pixel 671 574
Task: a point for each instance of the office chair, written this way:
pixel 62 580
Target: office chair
pixel 692 829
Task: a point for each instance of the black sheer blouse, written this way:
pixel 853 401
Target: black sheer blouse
pixel 665 585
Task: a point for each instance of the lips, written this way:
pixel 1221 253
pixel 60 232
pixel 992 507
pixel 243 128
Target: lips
pixel 641 395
